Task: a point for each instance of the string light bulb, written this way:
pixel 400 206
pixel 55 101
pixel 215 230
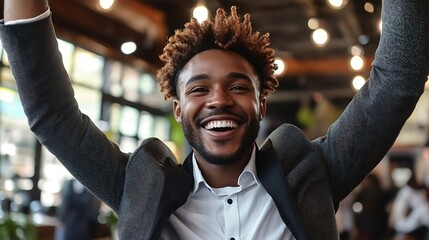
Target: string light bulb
pixel 128 47
pixel 337 4
pixel 357 63
pixel 358 82
pixel 320 37
pixel 281 66
pixel 313 23
pixel 200 12
pixel 369 7
pixel 106 4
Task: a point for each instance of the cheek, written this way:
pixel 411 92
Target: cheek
pixel 189 109
pixel 255 105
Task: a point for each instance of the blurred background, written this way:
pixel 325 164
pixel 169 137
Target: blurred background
pixel 110 49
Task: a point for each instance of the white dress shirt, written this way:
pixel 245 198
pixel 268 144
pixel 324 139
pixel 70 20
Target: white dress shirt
pixel 232 213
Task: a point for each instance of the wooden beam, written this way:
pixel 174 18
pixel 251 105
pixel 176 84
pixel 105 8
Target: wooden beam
pixel 325 66
pixel 77 22
pixel 135 15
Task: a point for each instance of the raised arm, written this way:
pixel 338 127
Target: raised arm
pixel 23 9
pixel 370 124
pixel 48 100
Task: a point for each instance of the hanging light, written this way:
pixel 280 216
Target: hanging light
pixel 358 82
pixel 357 63
pixel 320 37
pixel 356 50
pixel 281 66
pixel 313 23
pixel 369 7
pixel 200 12
pixel 128 47
pixel 337 4
pixel 106 5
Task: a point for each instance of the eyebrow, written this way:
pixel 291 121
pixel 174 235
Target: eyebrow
pixel 239 75
pixel 205 76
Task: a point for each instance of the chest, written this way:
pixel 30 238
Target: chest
pixel 230 213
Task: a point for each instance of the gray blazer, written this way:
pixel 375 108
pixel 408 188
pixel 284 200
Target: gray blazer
pixel 306 179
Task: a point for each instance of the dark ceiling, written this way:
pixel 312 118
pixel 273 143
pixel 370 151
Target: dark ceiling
pixel 310 69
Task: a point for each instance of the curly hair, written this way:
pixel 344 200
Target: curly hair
pixel 224 32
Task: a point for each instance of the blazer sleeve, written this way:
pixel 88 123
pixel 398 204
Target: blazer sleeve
pixel 368 127
pixel 53 114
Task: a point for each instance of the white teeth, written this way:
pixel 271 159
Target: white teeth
pixel 221 124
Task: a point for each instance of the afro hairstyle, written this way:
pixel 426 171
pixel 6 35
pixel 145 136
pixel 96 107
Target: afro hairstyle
pixel 225 33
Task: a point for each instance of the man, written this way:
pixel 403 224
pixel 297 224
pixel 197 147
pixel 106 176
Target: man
pixel 219 74
pixel 78 212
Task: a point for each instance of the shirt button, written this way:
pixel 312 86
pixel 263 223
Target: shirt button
pixel 232 238
pixel 229 201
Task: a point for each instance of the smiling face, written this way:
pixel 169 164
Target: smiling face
pixel 219 106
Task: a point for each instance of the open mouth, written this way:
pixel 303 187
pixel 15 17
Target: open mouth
pixel 221 125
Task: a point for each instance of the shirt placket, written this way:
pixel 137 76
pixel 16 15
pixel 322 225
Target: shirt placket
pixel 232 217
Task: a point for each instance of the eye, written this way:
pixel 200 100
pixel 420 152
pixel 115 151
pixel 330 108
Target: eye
pixel 238 88
pixel 197 90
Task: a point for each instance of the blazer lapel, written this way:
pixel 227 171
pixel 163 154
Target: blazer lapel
pixel 274 181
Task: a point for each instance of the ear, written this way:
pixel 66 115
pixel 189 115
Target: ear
pixel 177 110
pixel 262 107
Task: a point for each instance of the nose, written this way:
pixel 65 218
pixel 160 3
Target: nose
pixel 219 98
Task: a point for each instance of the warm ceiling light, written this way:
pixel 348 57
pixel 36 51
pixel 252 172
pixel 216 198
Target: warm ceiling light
pixel 281 66
pixel 313 23
pixel 337 4
pixel 201 13
pixel 128 47
pixel 320 37
pixel 358 82
pixel 369 7
pixel 106 4
pixel 356 62
pixel 356 50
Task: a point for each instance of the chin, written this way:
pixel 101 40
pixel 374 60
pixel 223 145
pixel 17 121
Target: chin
pixel 219 159
pixel 224 157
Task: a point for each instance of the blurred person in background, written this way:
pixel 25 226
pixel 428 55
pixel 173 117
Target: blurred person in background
pixel 371 221
pixel 409 217
pixel 78 213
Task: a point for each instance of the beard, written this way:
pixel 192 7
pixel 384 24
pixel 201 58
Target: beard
pixel 198 145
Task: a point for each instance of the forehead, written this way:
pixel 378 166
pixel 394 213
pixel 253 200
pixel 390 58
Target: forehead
pixel 217 63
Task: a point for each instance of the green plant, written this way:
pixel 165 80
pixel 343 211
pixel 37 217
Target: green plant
pixel 17 228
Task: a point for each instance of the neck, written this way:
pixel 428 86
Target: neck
pixel 217 175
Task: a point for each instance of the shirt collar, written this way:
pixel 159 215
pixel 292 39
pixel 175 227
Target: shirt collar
pixel 248 175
